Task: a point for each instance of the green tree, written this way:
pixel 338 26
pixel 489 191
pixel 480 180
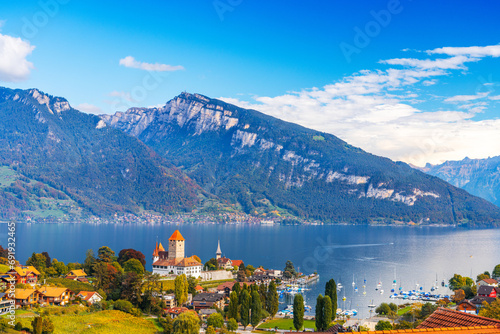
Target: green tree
pixel 237 288
pixel 331 291
pixel 232 311
pixel 167 324
pixel 263 294
pixel 88 264
pixel 106 254
pixel 133 266
pixel 482 276
pixel 186 323
pixel 37 325
pixel 298 312
pixel 272 300
pixel 47 326
pixel 496 271
pixel 427 310
pixel 256 308
pixel 492 310
pixel 289 270
pixel 241 276
pixel 245 308
pixel 60 267
pixel 458 282
pixel 319 313
pixel 383 325
pixel 327 312
pixel 232 324
pixel 37 260
pixel 383 309
pixel 215 320
pixel 210 330
pixel 393 307
pixel 181 289
pixel 211 264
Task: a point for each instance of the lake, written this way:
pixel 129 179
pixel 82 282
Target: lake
pixel 376 253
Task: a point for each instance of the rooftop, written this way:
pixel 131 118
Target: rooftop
pixel 443 317
pixel 177 236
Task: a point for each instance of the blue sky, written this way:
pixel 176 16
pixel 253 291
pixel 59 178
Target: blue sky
pixel 397 78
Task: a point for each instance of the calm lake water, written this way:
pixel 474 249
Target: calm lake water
pixel 346 253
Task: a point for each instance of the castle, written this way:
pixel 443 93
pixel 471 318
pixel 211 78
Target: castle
pixel 174 262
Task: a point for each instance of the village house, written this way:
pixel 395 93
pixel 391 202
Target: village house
pixel 54 295
pixel 174 312
pixel 488 282
pixel 485 293
pixel 206 312
pixel 5 303
pixel 467 307
pixel 488 291
pixel 198 289
pixel 208 300
pixel 227 287
pixel 25 274
pixel 77 275
pixel 237 263
pixel 90 297
pixel 26 297
pixel 5 281
pixel 170 301
pixel 174 262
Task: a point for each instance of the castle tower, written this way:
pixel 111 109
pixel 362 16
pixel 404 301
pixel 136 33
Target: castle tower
pixel 176 246
pixel 156 253
pixel 218 253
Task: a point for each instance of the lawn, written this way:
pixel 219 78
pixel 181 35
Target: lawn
pixel 4 268
pixel 402 311
pixel 285 324
pixel 214 284
pixel 108 322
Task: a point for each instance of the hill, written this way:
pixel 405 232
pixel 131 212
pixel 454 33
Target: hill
pixel 480 177
pixel 52 152
pixel 266 166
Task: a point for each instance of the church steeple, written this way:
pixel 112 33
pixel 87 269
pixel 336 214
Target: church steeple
pixel 219 252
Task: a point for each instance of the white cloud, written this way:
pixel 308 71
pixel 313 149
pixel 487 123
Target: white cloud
pixel 373 110
pixel 122 95
pixel 495 98
pixel 454 63
pixel 464 98
pixel 13 64
pixel 89 108
pixel 469 51
pixel 429 82
pixel 132 63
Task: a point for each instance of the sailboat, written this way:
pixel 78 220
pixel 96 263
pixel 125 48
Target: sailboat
pixel 353 284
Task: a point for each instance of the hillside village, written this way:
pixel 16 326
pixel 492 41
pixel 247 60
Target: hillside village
pixel 220 295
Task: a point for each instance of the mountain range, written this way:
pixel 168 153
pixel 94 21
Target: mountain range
pixel 202 155
pixel 480 177
pixel 260 163
pixel 49 145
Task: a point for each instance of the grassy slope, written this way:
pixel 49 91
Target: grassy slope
pixel 285 324
pixel 107 322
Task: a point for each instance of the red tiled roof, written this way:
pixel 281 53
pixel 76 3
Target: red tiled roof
pixel 177 236
pixel 160 248
pixel 448 330
pixel 185 262
pixel 443 317
pixel 237 263
pixel 490 281
pixel 177 310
